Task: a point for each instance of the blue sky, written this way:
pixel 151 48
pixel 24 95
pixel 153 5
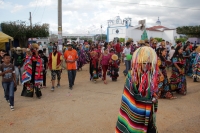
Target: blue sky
pixel 83 16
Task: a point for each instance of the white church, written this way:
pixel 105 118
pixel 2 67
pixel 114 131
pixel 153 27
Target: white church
pixel 119 28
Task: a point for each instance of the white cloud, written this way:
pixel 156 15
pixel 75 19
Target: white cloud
pixel 42 3
pixel 17 8
pixel 82 16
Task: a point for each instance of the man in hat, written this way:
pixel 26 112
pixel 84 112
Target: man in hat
pixel 18 58
pixel 71 57
pixel 55 65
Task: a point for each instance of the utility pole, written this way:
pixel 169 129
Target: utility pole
pixel 30 19
pixel 101 33
pixel 31 24
pixel 60 25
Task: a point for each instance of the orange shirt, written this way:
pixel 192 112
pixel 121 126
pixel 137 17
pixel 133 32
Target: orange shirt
pixel 71 55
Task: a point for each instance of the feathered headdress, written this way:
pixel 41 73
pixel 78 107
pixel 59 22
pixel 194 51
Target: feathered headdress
pixel 145 70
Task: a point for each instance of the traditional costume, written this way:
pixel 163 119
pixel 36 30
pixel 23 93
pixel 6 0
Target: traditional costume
pixel 94 66
pixel 139 99
pixel 196 65
pixel 81 59
pixel 164 86
pixel 113 67
pixel 177 79
pixel 191 62
pixel 32 78
pixel 186 55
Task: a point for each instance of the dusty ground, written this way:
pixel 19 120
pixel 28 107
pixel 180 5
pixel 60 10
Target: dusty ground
pixel 92 108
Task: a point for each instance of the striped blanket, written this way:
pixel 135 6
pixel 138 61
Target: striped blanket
pixel 135 111
pixel 26 76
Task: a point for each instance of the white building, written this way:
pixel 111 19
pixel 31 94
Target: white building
pixel 123 29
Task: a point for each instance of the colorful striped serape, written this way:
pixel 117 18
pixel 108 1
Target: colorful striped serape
pixel 135 111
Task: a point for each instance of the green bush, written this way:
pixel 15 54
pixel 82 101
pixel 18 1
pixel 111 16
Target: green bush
pixel 158 39
pixel 181 39
pixel 122 39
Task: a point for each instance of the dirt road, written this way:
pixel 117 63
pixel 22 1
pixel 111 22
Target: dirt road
pixel 92 108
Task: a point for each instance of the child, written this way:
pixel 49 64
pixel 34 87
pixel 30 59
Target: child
pixel 7 71
pixel 113 67
pixel 94 66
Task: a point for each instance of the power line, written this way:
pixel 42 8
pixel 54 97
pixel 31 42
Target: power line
pixel 151 5
pixel 43 12
pixel 35 7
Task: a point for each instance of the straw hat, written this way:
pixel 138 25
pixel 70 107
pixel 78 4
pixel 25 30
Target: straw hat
pixel 93 53
pixel 18 48
pixel 27 50
pixel 86 46
pixel 154 41
pixel 146 41
pixel 35 45
pixel 146 44
pixel 198 49
pixel 162 43
pixel 130 40
pixel 114 57
pixel 141 42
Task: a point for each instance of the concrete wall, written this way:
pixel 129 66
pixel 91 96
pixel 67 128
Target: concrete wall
pixel 111 32
pixel 193 39
pixel 154 34
pixel 169 36
pixel 135 34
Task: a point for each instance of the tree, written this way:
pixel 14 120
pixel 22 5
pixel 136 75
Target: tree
pixel 191 31
pixel 98 37
pixel 19 30
pixel 158 39
pixel 122 40
pixel 144 35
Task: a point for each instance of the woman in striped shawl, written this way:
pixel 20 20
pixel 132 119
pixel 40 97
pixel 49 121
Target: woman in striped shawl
pixel 139 98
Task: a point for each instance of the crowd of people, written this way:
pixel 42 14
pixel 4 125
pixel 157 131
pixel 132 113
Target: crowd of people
pixel 146 65
pixel 148 81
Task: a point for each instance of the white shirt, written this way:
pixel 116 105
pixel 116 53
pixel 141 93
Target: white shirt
pixel 171 53
pixel 168 47
pixel 126 51
pixel 40 47
pixel 102 50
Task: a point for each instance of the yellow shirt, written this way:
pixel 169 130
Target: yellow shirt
pixel 54 62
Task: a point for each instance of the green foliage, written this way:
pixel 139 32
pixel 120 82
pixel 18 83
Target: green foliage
pixel 192 31
pixel 22 32
pixel 121 39
pixel 181 39
pixel 158 39
pixel 73 38
pixel 90 41
pixel 98 37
